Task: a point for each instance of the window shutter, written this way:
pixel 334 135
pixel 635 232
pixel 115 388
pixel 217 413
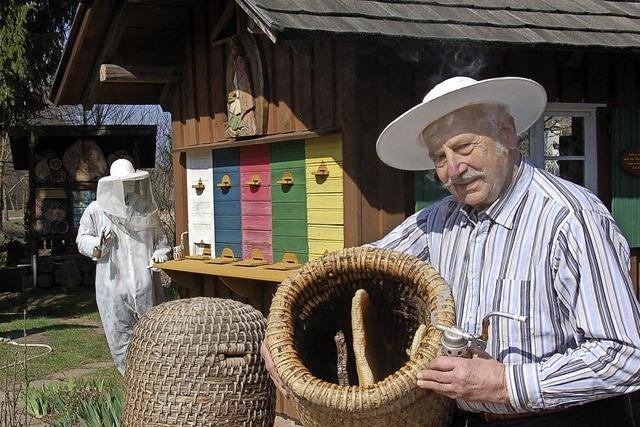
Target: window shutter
pixel 625 188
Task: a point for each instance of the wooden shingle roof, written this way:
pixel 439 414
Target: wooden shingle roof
pixel 585 23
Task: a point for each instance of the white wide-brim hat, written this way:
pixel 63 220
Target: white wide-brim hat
pixel 400 144
pixel 123 170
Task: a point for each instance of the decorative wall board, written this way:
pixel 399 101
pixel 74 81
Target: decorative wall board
pixel 226 197
pixel 200 200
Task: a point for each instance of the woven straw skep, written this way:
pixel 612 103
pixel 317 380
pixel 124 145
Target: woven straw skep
pixel 411 291
pixel 196 362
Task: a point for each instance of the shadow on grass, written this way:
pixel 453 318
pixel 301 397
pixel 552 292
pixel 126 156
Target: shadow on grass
pixel 53 302
pixel 17 333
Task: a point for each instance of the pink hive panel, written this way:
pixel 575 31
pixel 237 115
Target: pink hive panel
pixel 256 200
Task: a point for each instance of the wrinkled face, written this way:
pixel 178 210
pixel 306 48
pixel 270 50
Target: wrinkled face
pixel 474 150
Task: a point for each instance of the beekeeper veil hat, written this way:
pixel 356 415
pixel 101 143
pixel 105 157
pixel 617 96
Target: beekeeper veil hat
pixel 126 197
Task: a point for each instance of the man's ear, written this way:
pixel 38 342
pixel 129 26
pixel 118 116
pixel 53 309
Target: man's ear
pixel 508 134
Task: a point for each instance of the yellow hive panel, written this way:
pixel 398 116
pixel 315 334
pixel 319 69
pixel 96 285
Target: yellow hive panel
pixel 331 185
pixel 325 216
pixel 334 169
pixel 326 232
pixel 319 247
pixel 327 148
pixel 325 201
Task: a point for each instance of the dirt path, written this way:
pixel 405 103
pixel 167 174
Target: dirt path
pixel 71 373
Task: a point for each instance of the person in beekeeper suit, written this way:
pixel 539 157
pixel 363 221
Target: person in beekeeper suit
pixel 122 232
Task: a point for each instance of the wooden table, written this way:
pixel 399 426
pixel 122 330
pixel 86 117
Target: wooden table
pixel 260 273
pixel 254 285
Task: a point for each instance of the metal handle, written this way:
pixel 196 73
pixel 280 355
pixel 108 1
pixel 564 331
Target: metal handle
pixel 485 322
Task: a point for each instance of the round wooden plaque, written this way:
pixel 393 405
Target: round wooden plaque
pixel 630 161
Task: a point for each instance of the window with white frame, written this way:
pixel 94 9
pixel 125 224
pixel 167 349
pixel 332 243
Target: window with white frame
pixel 563 142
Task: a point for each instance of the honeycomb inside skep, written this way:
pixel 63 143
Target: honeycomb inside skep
pixel 389 335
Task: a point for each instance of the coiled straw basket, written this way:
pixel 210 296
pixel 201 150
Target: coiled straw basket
pixel 314 302
pixel 196 362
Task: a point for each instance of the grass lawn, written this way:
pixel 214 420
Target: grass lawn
pixel 66 320
pixel 110 376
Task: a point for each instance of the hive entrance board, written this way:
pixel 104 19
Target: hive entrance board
pixel 289 262
pixel 226 257
pixel 256 260
pixel 204 250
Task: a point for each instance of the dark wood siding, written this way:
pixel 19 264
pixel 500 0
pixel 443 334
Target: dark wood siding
pixel 360 86
pixel 299 84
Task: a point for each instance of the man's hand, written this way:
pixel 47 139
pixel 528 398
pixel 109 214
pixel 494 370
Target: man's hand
pixel 474 380
pixel 268 362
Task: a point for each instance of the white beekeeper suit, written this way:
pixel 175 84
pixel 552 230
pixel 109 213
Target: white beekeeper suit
pixel 126 215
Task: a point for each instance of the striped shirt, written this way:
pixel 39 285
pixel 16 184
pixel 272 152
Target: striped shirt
pixel 549 250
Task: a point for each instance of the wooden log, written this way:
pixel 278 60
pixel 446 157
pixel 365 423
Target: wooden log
pixel 85 265
pixel 112 73
pixel 59 227
pixel 55 163
pixel 84 160
pixel 44 281
pixel 42 170
pixel 67 273
pixel 45 266
pixel 42 227
pixel 88 279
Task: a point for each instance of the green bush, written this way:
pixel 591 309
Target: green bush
pixel 76 403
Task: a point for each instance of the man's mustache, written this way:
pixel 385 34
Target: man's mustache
pixel 466 177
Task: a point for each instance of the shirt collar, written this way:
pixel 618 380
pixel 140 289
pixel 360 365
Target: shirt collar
pixel 503 210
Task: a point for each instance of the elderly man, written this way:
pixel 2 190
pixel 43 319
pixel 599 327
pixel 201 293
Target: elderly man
pixel 517 239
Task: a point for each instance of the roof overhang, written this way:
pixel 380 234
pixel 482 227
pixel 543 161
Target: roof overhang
pixel 122 52
pixel 593 24
pixel 131 51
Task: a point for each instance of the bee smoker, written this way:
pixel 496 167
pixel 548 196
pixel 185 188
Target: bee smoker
pixel 96 253
pixel 459 343
pixel 178 251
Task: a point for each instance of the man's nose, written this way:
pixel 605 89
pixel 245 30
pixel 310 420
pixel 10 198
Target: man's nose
pixel 455 165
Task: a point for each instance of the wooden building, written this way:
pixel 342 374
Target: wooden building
pixel 276 106
pixel 64 163
pixel 242 77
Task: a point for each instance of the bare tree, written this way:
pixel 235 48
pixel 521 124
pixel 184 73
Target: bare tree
pixel 14 187
pixel 162 183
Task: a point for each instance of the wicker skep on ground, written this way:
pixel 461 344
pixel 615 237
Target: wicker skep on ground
pixel 196 362
pixel 313 304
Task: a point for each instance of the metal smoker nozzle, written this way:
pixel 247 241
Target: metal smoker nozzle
pixel 455 340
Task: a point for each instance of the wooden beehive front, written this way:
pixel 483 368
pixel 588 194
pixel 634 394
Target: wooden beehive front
pixel 289 201
pixel 227 213
pixel 256 200
pixel 325 204
pixel 200 200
